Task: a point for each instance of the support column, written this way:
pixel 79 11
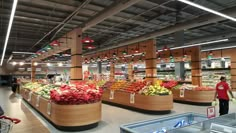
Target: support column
pixel 233 70
pixel 150 61
pixel 112 71
pixel 76 73
pixel 196 66
pixel 99 67
pixel 130 72
pixel 33 71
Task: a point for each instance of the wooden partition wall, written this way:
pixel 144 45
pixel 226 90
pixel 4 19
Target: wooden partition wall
pixel 196 66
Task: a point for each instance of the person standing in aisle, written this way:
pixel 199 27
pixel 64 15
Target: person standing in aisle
pixel 222 89
pixel 14 85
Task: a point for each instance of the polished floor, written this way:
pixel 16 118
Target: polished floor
pixel 112 117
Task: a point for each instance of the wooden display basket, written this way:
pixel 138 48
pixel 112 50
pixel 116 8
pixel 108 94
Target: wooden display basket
pixel 140 102
pixel 65 117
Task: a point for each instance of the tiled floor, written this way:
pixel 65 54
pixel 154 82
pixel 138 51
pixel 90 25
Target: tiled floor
pixel 112 117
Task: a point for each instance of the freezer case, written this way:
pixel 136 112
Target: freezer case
pixel 222 124
pixel 162 125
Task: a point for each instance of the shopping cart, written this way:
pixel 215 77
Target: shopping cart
pixel 6 123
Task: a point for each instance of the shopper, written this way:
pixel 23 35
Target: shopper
pixel 222 89
pixel 14 85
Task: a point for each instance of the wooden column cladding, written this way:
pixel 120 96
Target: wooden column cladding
pixel 150 61
pixel 232 54
pixel 130 72
pixel 33 71
pixel 196 66
pixel 76 55
pixel 112 71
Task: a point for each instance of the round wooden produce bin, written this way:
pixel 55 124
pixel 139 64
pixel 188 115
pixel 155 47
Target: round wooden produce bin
pixel 195 97
pixel 141 102
pixel 65 117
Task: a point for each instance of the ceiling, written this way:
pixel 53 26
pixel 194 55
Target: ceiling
pixel 38 22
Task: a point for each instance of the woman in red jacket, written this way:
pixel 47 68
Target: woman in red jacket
pixel 221 93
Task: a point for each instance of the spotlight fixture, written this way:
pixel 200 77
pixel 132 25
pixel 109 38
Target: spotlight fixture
pixel 14 63
pixel 35 63
pixel 21 63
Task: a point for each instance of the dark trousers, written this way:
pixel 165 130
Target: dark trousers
pixel 224 106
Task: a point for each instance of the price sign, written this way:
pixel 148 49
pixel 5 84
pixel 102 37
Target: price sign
pixel 30 95
pixel 132 98
pixel 181 94
pixel 37 101
pixel 49 108
pixel 211 112
pixel 112 94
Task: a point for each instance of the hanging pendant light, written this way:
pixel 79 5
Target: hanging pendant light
pixel 143 54
pixel 124 52
pixel 55 43
pixel 114 54
pixel 90 46
pixel 165 48
pixel 171 56
pixel 87 40
pixel 159 57
pixel 48 47
pixel 136 50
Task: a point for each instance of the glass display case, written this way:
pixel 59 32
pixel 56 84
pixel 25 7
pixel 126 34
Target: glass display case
pixel 163 125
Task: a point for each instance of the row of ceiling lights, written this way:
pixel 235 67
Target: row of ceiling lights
pixel 60 64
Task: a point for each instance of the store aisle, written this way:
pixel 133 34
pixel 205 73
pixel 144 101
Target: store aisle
pixel 13 107
pixel 112 117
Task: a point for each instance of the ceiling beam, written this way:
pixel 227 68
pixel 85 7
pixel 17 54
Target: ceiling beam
pixel 114 9
pixel 200 21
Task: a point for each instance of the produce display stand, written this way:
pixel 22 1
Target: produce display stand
pixel 193 97
pixel 139 102
pixel 64 117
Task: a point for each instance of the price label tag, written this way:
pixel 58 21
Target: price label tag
pixel 112 94
pixel 181 94
pixel 30 95
pixel 211 112
pixel 37 101
pixel 132 98
pixel 49 108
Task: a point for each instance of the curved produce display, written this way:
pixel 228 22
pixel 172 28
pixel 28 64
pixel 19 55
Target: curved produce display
pixel 66 117
pixel 193 94
pixel 138 96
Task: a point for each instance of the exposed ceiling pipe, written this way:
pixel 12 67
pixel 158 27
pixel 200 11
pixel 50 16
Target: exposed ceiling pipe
pixel 200 21
pixel 63 22
pixel 114 9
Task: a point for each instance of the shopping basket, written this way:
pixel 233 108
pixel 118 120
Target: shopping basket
pixel 6 123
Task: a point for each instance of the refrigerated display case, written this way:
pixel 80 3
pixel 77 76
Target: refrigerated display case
pixel 222 124
pixel 163 125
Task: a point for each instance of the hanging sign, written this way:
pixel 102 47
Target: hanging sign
pixel 49 108
pixel 132 98
pixel 30 95
pixel 112 94
pixel 181 94
pixel 37 101
pixel 211 112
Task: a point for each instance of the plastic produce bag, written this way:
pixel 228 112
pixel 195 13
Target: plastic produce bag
pixel 214 103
